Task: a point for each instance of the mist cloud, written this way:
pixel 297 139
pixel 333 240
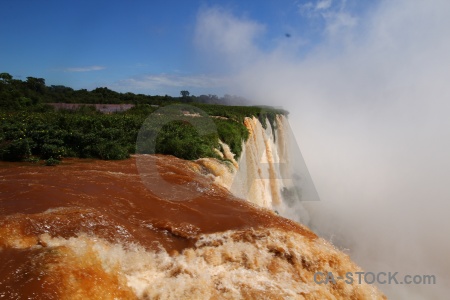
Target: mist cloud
pixel 232 39
pixel 370 108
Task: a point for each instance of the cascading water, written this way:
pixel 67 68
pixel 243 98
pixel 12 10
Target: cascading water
pixel 270 172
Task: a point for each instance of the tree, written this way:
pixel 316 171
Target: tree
pixel 5 77
pixel 36 84
pixel 185 94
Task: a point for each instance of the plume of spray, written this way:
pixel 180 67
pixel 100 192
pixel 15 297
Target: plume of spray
pixel 369 106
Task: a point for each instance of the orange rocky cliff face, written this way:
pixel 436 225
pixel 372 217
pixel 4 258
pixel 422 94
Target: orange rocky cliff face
pixel 94 230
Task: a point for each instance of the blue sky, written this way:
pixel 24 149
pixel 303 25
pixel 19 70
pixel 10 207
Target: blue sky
pixel 85 44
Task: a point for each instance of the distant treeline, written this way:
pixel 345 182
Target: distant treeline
pixel 31 130
pixel 16 94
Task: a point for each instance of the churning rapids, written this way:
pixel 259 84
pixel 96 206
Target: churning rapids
pixel 93 230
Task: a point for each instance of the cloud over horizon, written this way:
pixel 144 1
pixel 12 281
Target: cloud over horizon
pixel 369 106
pixel 85 69
pixel 160 82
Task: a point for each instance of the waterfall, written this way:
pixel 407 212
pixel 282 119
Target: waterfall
pixel 270 171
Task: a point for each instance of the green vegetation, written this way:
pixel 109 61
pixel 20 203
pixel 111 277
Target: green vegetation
pixel 52 162
pixel 31 130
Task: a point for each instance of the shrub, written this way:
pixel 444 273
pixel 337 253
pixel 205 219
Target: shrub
pixel 52 150
pixel 181 139
pixel 52 162
pixel 15 150
pixel 110 151
pixel 233 134
pixel 32 159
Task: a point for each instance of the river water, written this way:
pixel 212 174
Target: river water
pixel 90 229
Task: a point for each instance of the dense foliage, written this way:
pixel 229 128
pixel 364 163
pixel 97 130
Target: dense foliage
pixel 32 130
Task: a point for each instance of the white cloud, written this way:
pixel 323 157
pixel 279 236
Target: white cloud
pixel 323 4
pixel 335 19
pixel 306 9
pixel 84 69
pixel 338 22
pixel 372 122
pixel 163 82
pixel 315 8
pixel 219 31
